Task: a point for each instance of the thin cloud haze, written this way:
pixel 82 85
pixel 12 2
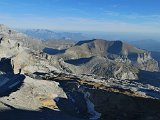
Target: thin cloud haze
pixel 85 15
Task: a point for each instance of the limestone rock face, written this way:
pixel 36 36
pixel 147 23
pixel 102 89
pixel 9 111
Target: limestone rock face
pixel 20 49
pixel 35 94
pixel 11 38
pixel 129 76
pixel 146 62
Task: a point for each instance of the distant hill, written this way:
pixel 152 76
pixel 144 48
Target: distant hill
pixel 104 48
pixel 108 59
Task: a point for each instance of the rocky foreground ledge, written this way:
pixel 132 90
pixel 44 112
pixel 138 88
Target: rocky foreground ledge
pixel 54 95
pixel 106 99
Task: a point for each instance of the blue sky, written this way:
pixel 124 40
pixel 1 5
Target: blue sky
pixel 140 16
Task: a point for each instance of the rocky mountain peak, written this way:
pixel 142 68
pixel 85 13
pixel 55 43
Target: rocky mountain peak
pixel 106 48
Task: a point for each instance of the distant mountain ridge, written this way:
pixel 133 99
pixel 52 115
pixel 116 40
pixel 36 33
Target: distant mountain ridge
pixel 45 34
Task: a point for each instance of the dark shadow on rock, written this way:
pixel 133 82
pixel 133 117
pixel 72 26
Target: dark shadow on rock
pixel 119 106
pixel 9 82
pixel 42 114
pixel 52 51
pixel 83 42
pixel 115 48
pixel 110 104
pixel 39 73
pixel 154 94
pixel 152 78
pixel 133 56
pixel 78 61
pixel 75 105
pixel 14 82
pixel 6 66
pixel 149 79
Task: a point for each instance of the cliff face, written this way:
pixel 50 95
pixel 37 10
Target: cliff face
pixel 146 62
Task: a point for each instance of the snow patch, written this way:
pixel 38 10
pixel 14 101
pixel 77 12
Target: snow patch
pixel 94 114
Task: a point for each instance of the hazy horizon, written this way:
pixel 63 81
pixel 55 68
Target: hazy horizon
pixel 125 36
pixel 125 19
